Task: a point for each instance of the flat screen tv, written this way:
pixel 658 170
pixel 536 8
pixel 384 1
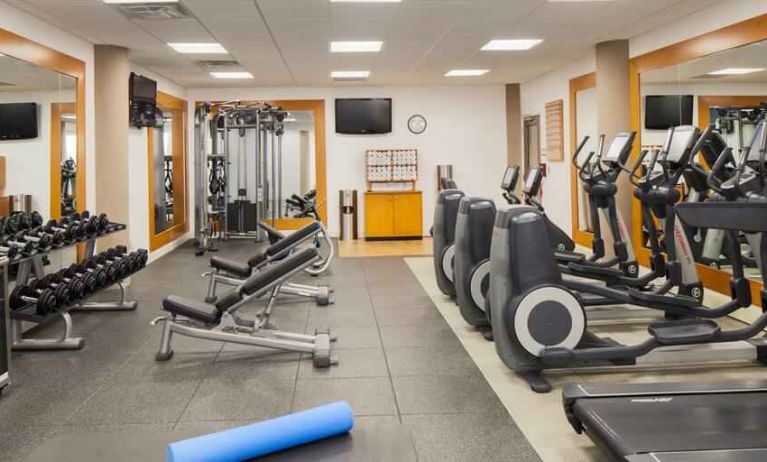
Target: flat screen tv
pixel 665 111
pixel 18 121
pixel 142 89
pixel 363 116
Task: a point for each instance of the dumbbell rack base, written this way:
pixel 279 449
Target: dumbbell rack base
pixel 65 342
pixel 121 305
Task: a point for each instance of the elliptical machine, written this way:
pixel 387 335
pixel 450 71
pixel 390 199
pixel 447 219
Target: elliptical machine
pixel 473 233
pixel 445 215
pixel 539 324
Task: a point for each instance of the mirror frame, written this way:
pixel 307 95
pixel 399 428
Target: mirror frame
pixel 179 228
pixel 580 83
pixel 22 48
pixel 736 35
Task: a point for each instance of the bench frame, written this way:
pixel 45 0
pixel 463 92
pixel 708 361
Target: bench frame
pixel 256 331
pixel 321 294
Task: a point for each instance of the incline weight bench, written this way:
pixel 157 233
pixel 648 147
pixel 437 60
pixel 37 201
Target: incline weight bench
pixel 222 322
pixel 233 273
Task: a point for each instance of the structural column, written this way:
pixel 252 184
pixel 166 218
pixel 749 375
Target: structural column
pixel 514 127
pixel 613 113
pixel 112 70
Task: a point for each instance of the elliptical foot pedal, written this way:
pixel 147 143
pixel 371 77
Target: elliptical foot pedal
pixel 536 381
pixel 685 332
pixel 488 335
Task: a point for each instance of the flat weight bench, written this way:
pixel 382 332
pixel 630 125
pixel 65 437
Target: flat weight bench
pixel 222 321
pixel 233 273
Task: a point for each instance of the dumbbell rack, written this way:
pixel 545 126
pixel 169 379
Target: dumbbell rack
pixel 32 266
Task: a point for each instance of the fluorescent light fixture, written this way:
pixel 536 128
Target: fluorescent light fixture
pixel 737 71
pixel 365 1
pixel 356 46
pixel 350 74
pixel 198 48
pixel 290 119
pixel 466 72
pixel 510 44
pixel 232 75
pixel 128 2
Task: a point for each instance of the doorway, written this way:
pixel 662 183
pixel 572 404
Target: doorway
pixel 531 156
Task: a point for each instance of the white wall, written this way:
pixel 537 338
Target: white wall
pixel 535 94
pixel 466 128
pixel 28 161
pixel 21 23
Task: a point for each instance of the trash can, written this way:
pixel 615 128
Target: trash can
pixel 348 214
pixel 21 203
pixel 445 177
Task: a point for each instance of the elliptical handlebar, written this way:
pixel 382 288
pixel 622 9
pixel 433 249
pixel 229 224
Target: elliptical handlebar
pixel 711 180
pixel 577 153
pixel 633 177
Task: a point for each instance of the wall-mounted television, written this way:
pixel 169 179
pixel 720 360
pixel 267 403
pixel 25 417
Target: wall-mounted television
pixel 143 101
pixel 665 111
pixel 18 121
pixel 363 116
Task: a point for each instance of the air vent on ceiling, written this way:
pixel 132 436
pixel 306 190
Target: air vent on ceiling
pixel 349 79
pixel 155 11
pixel 218 64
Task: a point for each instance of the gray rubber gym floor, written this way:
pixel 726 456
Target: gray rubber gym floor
pixel 399 361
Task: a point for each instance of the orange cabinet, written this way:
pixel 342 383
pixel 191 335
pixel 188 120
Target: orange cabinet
pixel 393 215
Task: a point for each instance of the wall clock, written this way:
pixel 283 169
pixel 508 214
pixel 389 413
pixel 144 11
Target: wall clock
pixel 416 124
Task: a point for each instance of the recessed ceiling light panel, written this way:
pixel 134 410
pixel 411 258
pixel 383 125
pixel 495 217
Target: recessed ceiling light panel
pixel 133 2
pixel 365 1
pixel 339 75
pixel 466 72
pixel 232 75
pixel 356 46
pixel 198 48
pixel 510 44
pixel 737 71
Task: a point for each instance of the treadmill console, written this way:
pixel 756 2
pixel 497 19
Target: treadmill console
pixel 620 148
pixel 510 178
pixel 533 182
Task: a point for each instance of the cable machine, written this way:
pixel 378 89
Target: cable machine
pixel 238 167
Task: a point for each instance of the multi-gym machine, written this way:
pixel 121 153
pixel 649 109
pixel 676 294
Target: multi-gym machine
pixel 238 169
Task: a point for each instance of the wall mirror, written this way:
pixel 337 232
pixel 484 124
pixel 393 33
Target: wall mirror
pixel 38 136
pixel 583 122
pixel 166 153
pixel 726 89
pixel 718 79
pixel 297 179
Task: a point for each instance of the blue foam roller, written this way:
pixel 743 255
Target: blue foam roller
pixel 265 437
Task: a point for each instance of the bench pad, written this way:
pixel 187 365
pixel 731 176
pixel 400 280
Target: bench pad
pixel 200 311
pixel 234 267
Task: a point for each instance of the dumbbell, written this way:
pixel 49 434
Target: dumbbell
pixel 60 291
pixel 44 300
pixel 9 252
pixel 57 237
pixel 91 279
pixel 111 271
pixel 94 224
pixel 137 259
pixel 76 285
pixel 84 226
pixel 41 242
pixel 24 248
pixel 69 230
pixel 122 266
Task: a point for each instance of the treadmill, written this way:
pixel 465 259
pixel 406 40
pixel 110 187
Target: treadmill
pixel 675 422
